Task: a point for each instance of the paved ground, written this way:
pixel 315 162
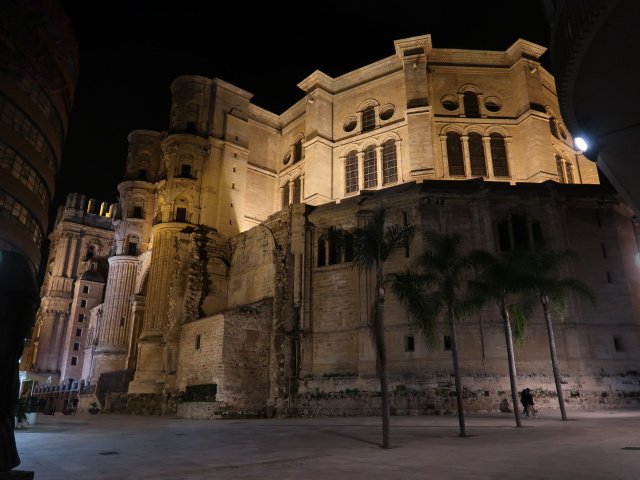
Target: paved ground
pixel 603 444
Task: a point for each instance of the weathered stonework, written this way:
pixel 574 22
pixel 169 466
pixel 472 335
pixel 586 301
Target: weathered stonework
pixel 220 273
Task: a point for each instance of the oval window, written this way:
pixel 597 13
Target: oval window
pixel 450 103
pixel 492 104
pixel 387 113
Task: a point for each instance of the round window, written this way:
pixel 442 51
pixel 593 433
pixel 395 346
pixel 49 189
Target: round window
pixel 492 104
pixel 349 124
pixel 387 113
pixel 450 103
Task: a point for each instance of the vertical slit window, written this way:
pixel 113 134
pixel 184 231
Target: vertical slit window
pixel 297 151
pixel 476 155
pixel 285 194
pixel 499 155
pixel 351 172
pixel 370 167
pixel 389 162
pixel 454 154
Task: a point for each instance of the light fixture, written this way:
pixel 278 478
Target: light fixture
pixel 581 143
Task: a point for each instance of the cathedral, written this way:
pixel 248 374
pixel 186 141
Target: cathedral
pixel 212 269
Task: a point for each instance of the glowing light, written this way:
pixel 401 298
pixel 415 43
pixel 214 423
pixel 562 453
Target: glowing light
pixel 581 144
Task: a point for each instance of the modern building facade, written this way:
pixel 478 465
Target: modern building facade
pixel 219 272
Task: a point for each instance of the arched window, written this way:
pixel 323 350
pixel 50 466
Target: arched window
pixel 285 194
pixel 297 190
pixel 569 170
pixel 368 118
pixel 297 151
pixel 351 172
pixel 322 253
pixel 476 155
pixel 471 107
pixel 454 154
pixel 370 167
pixel 499 155
pixel 389 162
pixel 560 169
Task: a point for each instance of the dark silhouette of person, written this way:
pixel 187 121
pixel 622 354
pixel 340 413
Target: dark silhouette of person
pixel 74 401
pixel 527 402
pixel 19 302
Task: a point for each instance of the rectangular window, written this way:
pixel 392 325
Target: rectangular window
pixel 197 342
pixel 185 171
pixel 132 249
pixel 85 289
pixel 447 342
pixel 137 211
pixel 142 174
pixel 617 344
pixel 81 317
pixel 76 346
pixel 78 332
pixel 83 303
pixel 181 214
pixel 74 360
pixel 409 344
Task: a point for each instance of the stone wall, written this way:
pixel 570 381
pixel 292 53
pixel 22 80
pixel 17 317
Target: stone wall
pixel 435 394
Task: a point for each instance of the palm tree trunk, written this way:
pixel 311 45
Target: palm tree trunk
pixel 383 371
pixel 554 356
pixel 456 371
pixel 512 363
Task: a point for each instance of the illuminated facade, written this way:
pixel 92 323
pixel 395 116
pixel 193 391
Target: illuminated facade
pixel 218 272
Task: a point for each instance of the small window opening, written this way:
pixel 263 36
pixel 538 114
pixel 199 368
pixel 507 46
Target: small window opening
pixel 83 303
pixel 185 171
pixel 85 289
pixel 617 344
pixel 132 249
pixel 122 321
pixel 137 211
pixel 181 214
pixel 197 342
pixel 78 332
pixel 81 317
pixel 76 346
pixel 142 174
pixel 447 342
pixel 191 127
pixel 409 344
pixel 74 360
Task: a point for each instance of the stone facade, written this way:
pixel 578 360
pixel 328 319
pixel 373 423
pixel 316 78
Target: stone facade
pixel 219 274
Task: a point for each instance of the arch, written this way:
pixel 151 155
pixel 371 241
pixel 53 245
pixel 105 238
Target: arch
pixel 469 87
pixel 370 102
pixel 348 148
pixel 498 129
pixel 452 128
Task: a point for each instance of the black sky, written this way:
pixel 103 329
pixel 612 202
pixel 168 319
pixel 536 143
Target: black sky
pixel 131 51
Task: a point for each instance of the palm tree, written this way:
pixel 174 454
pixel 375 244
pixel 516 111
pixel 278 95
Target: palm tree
pixel 500 280
pixel 543 278
pixel 432 289
pixel 373 244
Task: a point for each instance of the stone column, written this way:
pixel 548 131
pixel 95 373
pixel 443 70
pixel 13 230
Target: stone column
pixel 153 348
pixel 112 349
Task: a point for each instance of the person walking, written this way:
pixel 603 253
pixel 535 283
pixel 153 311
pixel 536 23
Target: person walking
pixel 74 401
pixel 527 402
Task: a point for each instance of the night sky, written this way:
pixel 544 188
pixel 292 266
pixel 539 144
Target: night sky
pixel 131 51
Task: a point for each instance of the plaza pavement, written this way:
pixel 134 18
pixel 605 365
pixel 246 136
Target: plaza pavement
pixel 601 444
